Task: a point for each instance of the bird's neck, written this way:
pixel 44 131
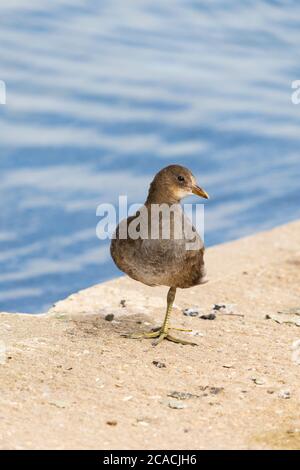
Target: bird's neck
pixel 156 196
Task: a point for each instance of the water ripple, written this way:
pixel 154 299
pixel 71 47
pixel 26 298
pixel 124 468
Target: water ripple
pixel 100 95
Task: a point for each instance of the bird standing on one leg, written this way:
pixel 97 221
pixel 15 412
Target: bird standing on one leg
pixel 159 246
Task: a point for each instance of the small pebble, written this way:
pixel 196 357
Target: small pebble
pixel 123 303
pixel 209 316
pixel 258 381
pixel 216 390
pixel 285 394
pixel 130 397
pixel 224 308
pixel 219 306
pixel 176 405
pixel 158 364
pixel 191 312
pixel 58 403
pixel 112 423
pixel 109 317
pixel 182 395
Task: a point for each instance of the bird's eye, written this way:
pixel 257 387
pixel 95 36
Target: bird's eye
pixel 180 178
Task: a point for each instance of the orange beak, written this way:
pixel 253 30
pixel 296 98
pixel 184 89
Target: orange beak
pixel 200 192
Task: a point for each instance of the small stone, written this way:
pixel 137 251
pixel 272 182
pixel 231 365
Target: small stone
pixel 226 309
pixel 219 306
pixel 58 403
pixel 142 422
pixel 285 394
pixel 258 381
pixel 216 390
pixel 159 364
pixel 176 405
pixel 109 317
pixel 112 423
pixel 123 303
pixel 227 366
pixel 191 312
pixel 209 316
pixel 182 395
pixel 130 397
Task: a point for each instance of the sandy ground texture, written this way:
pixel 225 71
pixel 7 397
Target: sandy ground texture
pixel 70 380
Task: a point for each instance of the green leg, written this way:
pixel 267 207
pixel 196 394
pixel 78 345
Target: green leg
pixel 163 332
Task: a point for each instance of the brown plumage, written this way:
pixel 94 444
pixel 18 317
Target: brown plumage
pixel 159 245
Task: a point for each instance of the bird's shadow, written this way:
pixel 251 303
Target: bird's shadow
pixel 123 325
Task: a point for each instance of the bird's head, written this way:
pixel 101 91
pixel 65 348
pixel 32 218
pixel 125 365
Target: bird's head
pixel 173 183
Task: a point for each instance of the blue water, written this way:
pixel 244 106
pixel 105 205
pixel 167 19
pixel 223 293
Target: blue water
pixel 102 94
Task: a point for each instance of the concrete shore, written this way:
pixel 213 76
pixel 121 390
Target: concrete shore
pixel 69 380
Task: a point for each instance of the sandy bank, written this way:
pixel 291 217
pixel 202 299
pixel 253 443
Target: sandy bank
pixel 70 380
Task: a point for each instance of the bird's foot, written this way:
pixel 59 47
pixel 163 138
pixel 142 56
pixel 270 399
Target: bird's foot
pixel 181 329
pixel 143 334
pixel 174 339
pixel 159 334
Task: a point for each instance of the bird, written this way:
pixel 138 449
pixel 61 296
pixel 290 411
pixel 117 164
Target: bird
pixel 159 246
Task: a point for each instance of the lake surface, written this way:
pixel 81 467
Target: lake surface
pixel 102 94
